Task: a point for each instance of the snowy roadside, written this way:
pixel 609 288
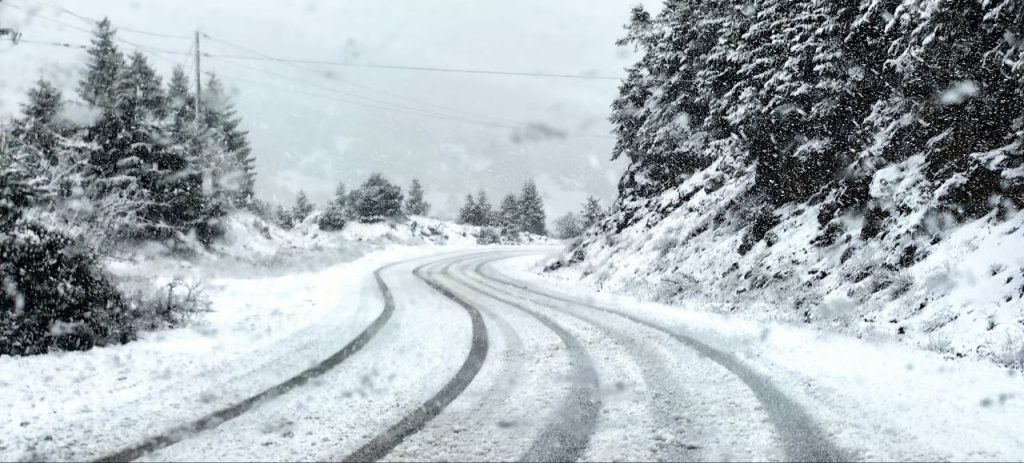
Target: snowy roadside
pixel 262 331
pixel 881 400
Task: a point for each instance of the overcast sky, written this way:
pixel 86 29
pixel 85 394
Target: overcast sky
pixel 306 131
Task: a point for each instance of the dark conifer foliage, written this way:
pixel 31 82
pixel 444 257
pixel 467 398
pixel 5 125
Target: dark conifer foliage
pixel 302 207
pixel 809 99
pixel 532 217
pixel 133 162
pixel 377 199
pixel 415 204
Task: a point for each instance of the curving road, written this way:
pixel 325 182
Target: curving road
pixel 465 363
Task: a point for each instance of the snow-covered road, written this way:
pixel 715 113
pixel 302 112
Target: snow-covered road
pixel 469 355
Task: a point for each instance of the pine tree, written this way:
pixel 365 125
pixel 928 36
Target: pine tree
pixel 340 197
pixel 181 104
pixel 39 130
pixel 414 204
pixel 592 212
pixel 99 87
pixel 143 150
pixel 284 217
pixel 467 215
pixel 302 207
pixel 336 215
pixel 509 213
pixel 236 171
pixel 531 210
pixel 482 214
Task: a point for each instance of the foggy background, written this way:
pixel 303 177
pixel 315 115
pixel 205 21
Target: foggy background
pixel 314 125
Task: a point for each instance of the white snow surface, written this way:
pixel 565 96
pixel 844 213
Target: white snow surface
pixel 262 331
pixel 877 399
pixel 281 300
pixel 880 400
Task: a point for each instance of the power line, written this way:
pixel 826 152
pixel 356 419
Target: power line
pixel 93 21
pixel 417 113
pixel 416 68
pixel 425 108
pixel 87 31
pixel 54 44
pixel 383 106
pixel 346 82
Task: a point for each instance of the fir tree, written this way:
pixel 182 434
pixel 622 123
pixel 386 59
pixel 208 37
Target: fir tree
pixel 415 204
pixel 39 130
pixel 302 207
pixel 284 217
pixel 340 197
pixel 531 210
pixel 336 215
pixel 509 213
pixel 236 172
pixel 467 215
pixel 591 213
pixel 482 214
pixel 180 106
pixel 99 87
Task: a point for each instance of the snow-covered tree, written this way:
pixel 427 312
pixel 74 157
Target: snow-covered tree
pixel 531 210
pixel 40 130
pixel 302 207
pixel 467 214
pixel 415 204
pixel 335 216
pixel 104 66
pixel 796 101
pixel 592 212
pixel 568 226
pixel 340 197
pixel 284 217
pixel 54 293
pixel 509 213
pixel 234 170
pixel 483 213
pixel 377 199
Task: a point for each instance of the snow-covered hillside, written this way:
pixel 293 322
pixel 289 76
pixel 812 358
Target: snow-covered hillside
pixel 964 297
pixel 853 167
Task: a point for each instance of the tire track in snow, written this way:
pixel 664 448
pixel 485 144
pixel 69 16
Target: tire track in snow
pixel 642 356
pixel 214 419
pixel 803 439
pixel 566 437
pixel 381 445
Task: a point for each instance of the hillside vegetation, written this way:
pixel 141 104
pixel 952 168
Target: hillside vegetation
pixel 850 163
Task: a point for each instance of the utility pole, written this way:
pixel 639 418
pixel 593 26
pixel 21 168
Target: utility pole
pixel 199 84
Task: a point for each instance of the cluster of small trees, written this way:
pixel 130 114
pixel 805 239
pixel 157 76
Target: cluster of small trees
pixel 518 213
pixel 128 160
pixel 572 225
pixel 376 200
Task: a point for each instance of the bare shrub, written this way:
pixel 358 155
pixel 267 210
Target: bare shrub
pixel 172 305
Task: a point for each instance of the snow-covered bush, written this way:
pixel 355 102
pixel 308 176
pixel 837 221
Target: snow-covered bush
pixel 333 219
pixel 488 235
pixel 54 295
pixel 376 200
